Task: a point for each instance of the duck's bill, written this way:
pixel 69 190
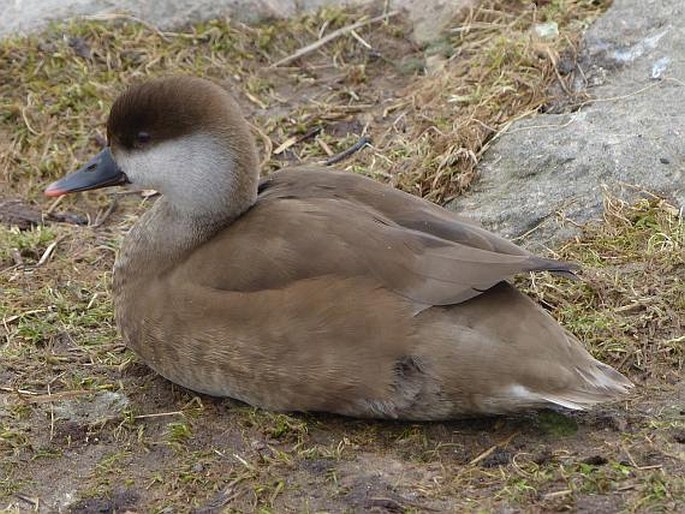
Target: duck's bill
pixel 100 171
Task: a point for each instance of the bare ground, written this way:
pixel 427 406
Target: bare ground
pixel 86 427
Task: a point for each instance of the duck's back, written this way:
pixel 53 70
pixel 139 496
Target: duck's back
pixel 337 293
pixel 311 222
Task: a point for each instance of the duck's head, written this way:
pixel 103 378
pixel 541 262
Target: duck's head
pixel 183 136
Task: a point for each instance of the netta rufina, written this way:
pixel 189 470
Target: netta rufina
pixel 317 289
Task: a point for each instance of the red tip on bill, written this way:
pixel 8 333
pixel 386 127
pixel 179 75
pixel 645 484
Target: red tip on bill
pixel 50 191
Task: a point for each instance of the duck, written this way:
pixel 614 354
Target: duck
pixel 315 289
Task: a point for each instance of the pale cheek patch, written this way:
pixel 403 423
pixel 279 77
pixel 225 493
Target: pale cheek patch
pixel 193 172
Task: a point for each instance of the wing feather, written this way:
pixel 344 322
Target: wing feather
pixel 310 223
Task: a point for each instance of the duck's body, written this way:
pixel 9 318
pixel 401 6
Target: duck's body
pixel 325 291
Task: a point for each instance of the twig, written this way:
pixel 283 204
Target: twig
pixel 74 219
pixel 293 140
pixel 310 133
pixel 243 462
pixel 268 144
pixel 7 389
pixel 361 40
pixel 224 497
pixel 487 452
pixel 363 141
pixel 555 67
pixel 28 125
pixel 159 415
pixel 557 494
pixel 47 253
pixel 393 505
pixel 15 317
pixel 285 145
pixel 54 205
pixel 53 397
pixel 324 146
pixel 112 207
pixel 52 416
pixel 35 502
pixel 330 37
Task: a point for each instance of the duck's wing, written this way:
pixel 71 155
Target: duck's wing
pixel 434 271
pixel 292 235
pixel 402 208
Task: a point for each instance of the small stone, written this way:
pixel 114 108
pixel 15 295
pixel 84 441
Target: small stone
pixel 80 47
pixel 548 30
pixel 665 160
pixel 660 67
pixel 99 407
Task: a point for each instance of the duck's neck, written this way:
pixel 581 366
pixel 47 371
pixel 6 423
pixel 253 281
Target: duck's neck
pixel 157 240
pixel 209 185
pixel 163 237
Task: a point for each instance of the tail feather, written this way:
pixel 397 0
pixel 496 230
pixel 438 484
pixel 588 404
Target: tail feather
pixel 561 268
pixel 597 383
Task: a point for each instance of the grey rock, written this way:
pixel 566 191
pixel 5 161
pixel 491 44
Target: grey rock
pixel 102 406
pixel 552 167
pixel 429 17
pixel 28 15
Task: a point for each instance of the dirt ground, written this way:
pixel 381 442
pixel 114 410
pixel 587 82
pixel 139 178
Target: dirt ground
pixel 86 427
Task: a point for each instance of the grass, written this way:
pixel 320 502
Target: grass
pixel 65 436
pixel 428 128
pixel 625 318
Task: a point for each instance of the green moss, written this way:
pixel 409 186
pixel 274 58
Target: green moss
pixel 557 424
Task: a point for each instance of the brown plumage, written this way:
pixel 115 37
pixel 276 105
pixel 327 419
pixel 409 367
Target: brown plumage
pixel 320 290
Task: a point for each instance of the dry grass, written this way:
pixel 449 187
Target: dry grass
pixel 629 306
pixel 428 127
pixel 83 422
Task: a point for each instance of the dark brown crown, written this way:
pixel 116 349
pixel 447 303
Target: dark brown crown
pixel 168 108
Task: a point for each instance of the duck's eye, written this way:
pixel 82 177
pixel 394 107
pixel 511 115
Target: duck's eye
pixel 142 137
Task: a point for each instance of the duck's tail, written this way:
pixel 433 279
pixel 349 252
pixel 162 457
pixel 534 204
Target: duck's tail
pixel 596 383
pixel 500 353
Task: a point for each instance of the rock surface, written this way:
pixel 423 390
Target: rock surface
pixel 102 406
pixel 629 139
pixel 429 16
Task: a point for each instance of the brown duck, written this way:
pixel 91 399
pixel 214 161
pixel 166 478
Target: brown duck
pixel 315 289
